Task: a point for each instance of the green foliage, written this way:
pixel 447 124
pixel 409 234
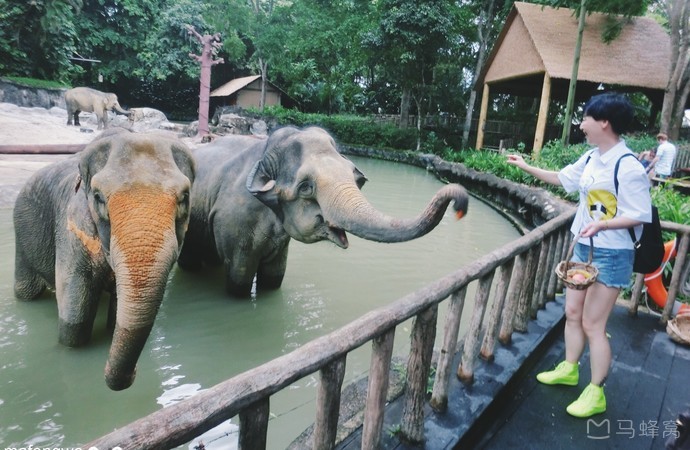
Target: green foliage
pixel 35 83
pixel 673 205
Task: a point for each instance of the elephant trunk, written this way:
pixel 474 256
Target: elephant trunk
pixel 144 247
pixel 348 209
pixel 117 108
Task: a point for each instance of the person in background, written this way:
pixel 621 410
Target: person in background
pixel 665 156
pixel 646 157
pixel 604 214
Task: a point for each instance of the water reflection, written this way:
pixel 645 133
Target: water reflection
pixel 56 396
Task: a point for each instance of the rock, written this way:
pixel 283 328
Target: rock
pixel 259 128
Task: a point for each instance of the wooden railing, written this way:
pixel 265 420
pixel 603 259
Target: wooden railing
pixel 525 276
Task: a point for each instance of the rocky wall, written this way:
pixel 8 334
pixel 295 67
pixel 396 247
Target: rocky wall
pixel 31 97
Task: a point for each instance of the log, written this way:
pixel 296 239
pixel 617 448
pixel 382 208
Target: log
pixel 43 149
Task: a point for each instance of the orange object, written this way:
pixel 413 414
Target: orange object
pixel 654 281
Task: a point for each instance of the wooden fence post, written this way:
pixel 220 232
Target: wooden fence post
pixel 469 354
pixel 254 425
pixel 328 404
pixel 489 343
pixel 377 392
pixel 418 365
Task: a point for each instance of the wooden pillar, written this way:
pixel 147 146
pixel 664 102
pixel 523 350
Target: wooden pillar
pixel 482 117
pixel 543 115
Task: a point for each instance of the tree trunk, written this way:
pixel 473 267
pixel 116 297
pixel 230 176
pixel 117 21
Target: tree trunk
pixel 263 67
pixel 404 108
pixel 679 79
pixel 483 31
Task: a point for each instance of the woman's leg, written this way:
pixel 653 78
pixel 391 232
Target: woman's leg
pixel 574 333
pixel 598 304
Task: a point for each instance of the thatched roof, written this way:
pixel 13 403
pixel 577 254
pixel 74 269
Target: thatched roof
pixel 233 86
pixel 537 40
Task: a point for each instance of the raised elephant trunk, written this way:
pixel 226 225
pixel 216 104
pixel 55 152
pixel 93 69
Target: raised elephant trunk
pixel 144 248
pixel 347 208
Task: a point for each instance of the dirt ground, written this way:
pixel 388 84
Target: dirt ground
pixel 37 126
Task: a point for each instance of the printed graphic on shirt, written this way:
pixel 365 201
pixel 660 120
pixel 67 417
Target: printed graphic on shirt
pixel 602 204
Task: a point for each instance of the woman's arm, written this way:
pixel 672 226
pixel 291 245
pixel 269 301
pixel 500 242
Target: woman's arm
pixel 593 228
pixel 547 176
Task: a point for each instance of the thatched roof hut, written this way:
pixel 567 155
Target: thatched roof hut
pixel 533 56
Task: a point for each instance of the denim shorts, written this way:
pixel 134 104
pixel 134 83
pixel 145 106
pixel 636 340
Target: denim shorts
pixel 615 265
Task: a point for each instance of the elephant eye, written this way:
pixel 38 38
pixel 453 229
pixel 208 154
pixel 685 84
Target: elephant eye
pixel 305 189
pixel 183 205
pixel 100 204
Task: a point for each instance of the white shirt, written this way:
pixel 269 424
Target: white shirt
pixel 598 199
pixel 666 154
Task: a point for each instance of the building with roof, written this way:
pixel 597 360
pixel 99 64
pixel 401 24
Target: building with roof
pixel 533 57
pixel 245 92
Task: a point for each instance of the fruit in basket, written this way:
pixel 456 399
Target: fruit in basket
pixel 578 275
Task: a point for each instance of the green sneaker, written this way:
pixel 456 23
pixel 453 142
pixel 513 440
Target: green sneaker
pixel 565 373
pixel 592 401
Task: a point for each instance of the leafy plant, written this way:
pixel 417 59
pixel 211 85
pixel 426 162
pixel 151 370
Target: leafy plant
pixel 36 83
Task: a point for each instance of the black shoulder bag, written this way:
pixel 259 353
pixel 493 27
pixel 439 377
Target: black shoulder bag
pixel 649 249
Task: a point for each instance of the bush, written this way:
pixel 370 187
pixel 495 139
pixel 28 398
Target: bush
pixel 36 83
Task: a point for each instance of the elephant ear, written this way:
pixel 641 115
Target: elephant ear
pixel 184 160
pixel 262 186
pixel 93 158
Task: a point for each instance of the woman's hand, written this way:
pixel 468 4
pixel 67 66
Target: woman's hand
pixel 517 161
pixel 593 228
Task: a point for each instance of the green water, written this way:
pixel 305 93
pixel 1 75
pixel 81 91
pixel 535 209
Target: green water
pixel 55 396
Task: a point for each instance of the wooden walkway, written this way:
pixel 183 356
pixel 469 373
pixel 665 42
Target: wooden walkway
pixel 506 408
pixel 648 386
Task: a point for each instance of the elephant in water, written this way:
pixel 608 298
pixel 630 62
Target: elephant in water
pixel 252 195
pixel 90 100
pixel 110 219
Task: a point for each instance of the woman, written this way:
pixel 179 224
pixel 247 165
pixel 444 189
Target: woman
pixel 604 214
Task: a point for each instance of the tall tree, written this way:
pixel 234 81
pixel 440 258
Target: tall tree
pixel 408 41
pixel 678 87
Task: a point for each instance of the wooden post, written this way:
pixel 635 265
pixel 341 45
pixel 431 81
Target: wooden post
pixel 418 365
pixel 543 115
pixel 636 294
pixel 512 298
pixel 328 404
pixel 681 256
pixel 382 351
pixel 482 117
pixel 489 343
pixel 439 395
pixel 469 354
pixel 254 425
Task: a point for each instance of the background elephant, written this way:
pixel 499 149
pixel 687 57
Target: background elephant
pixel 252 195
pixel 109 219
pixel 90 100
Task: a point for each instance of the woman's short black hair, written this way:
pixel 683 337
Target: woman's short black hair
pixel 611 106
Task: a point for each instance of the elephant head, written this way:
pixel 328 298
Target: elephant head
pixel 137 190
pixel 315 192
pixel 111 103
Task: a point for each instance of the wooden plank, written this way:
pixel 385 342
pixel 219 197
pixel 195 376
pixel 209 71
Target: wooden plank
pixel 512 298
pixel 489 343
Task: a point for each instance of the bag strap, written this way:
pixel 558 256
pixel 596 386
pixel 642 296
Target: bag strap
pixel 636 243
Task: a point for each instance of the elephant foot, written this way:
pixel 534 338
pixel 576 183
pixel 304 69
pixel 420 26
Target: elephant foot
pixel 74 334
pixel 239 290
pixel 29 288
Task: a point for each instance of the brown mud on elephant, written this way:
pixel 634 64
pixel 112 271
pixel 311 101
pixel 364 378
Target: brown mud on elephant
pixel 252 195
pixel 110 219
pixel 90 100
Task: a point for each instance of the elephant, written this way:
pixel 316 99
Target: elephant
pixel 90 100
pixel 253 194
pixel 110 219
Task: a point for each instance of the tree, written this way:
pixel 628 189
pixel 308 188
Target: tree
pixel 408 41
pixel 678 87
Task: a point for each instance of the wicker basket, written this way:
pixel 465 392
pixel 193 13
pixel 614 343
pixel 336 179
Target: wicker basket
pixel 566 269
pixel 679 329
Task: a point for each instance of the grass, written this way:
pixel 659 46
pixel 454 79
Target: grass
pixel 35 83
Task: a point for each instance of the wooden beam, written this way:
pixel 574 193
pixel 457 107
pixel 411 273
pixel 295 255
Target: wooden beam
pixel 55 149
pixel 482 117
pixel 543 115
